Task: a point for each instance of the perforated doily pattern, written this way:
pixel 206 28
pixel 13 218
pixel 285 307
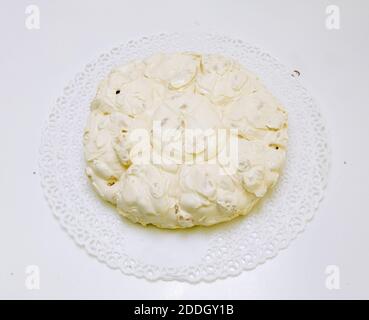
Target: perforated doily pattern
pixel 199 255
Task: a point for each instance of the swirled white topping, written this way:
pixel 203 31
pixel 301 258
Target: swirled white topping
pixel 190 98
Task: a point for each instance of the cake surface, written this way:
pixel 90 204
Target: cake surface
pixel 184 139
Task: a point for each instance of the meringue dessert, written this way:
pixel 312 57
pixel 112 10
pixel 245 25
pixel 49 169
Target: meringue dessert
pixel 184 139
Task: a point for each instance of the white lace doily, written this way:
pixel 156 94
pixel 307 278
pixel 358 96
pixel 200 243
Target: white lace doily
pixel 200 253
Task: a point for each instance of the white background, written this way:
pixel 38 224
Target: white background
pixel 37 64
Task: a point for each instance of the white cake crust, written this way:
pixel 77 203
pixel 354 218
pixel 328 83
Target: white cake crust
pixel 183 92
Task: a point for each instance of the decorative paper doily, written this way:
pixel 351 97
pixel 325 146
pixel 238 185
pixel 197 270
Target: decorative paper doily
pixel 199 253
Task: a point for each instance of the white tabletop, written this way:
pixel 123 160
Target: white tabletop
pixel 38 63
